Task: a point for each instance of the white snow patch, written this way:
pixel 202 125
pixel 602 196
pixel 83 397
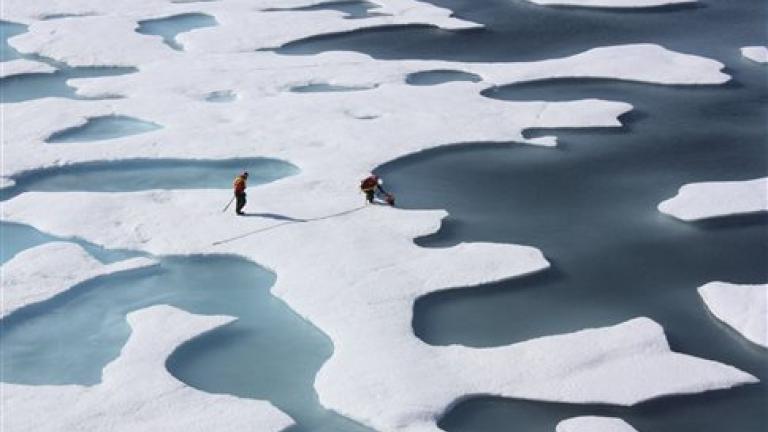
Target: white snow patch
pixel 695 201
pixel 42 272
pixel 755 53
pixel 6 182
pixel 743 307
pixel 594 424
pixel 24 66
pixel 621 4
pixel 63 40
pixel 137 392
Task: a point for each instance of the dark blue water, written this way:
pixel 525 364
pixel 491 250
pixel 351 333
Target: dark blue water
pixel 590 204
pixel 146 174
pixel 170 27
pixel 518 30
pixel 352 9
pixel 103 128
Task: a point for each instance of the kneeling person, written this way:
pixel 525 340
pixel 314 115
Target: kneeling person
pixel 370 184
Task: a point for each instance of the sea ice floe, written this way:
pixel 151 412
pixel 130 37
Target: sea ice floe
pixel 613 4
pixel 695 201
pixel 742 307
pixel 45 271
pixel 137 392
pixel 24 66
pixel 168 93
pixel 355 272
pixel 244 26
pixel 111 41
pixel 594 424
pixel 756 53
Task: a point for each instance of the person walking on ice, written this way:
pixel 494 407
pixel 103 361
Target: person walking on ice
pixel 239 186
pixel 370 184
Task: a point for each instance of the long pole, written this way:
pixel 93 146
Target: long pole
pixel 228 204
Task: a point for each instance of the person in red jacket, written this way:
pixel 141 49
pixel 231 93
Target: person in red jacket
pixel 370 184
pixel 239 186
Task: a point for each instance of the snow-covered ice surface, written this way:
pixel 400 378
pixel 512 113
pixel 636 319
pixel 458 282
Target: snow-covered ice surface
pixel 755 53
pixel 622 4
pixel 363 302
pixel 137 392
pixel 45 271
pixel 23 66
pixel 704 200
pixel 243 27
pixel 356 285
pixel 594 424
pixel 743 307
pixel 190 123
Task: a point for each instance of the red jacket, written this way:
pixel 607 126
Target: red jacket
pixel 239 184
pixel 369 183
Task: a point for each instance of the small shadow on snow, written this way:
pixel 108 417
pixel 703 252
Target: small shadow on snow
pixel 274 216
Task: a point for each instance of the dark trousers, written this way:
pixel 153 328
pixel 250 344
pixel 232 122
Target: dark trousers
pixel 369 195
pixel 240 197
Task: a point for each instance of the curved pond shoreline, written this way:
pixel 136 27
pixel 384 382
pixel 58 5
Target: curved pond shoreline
pixel 146 174
pixel 604 271
pixel 556 31
pixel 18 237
pixel 103 128
pixel 668 414
pixel 29 86
pixel 590 206
pixel 269 353
pixel 45 343
pixel 169 28
pixel 561 266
